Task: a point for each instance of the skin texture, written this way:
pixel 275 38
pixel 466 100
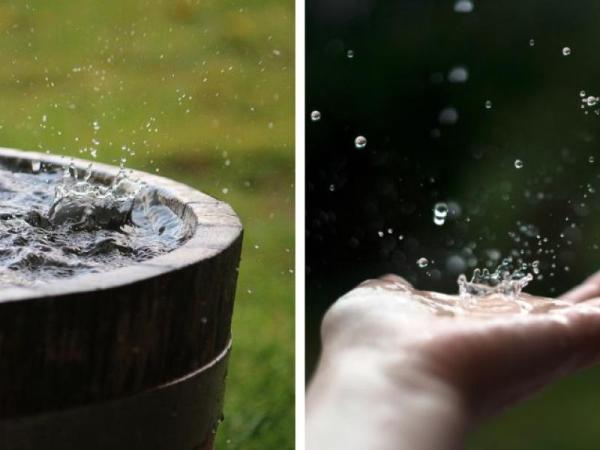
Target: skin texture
pixel 406 369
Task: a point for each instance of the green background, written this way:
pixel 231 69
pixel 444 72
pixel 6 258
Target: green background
pixel 203 92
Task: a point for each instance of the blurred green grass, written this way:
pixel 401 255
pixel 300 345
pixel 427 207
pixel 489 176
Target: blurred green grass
pixel 203 92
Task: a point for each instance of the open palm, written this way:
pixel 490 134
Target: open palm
pixel 436 350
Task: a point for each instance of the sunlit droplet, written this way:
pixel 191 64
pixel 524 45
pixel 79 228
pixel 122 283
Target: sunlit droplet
pixel 350 54
pixel 360 142
pixel 440 212
pixel 518 164
pixel 488 104
pixel 422 262
pixel 531 42
pixel 315 116
pixel 566 51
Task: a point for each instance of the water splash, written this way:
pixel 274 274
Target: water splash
pixel 589 102
pixel 83 205
pixel 57 224
pixel 505 280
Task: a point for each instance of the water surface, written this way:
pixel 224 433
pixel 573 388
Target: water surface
pixel 54 225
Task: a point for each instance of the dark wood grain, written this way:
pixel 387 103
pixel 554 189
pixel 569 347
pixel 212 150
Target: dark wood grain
pixel 96 338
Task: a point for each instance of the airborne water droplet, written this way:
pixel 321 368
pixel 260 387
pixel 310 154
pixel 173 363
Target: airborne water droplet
pixel 422 262
pixel 458 74
pixel 448 116
pixel 566 51
pixel 531 42
pixel 315 116
pixel 590 100
pixel 488 104
pixel 518 164
pixel 463 6
pixel 440 212
pixel 360 142
pixel 350 54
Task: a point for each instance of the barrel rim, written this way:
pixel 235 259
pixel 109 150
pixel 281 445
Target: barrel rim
pixel 213 218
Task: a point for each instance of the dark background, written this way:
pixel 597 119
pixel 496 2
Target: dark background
pixel 369 211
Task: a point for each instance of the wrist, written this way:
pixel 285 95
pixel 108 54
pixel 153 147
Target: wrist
pixel 361 398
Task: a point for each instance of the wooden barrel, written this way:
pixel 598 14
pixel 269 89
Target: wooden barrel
pixel 131 359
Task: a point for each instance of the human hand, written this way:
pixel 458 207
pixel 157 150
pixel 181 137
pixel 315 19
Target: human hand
pixel 431 365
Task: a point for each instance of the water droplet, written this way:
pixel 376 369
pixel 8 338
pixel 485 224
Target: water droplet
pixel 440 212
pixel 458 74
pixel 448 116
pixel 508 279
pixel 531 42
pixel 488 104
pixel 439 221
pixel 591 159
pixel 350 54
pixel 360 142
pixel 332 187
pixel 456 264
pixel 36 166
pixel 315 116
pixel 463 6
pixel 566 51
pixel 518 164
pixel 422 262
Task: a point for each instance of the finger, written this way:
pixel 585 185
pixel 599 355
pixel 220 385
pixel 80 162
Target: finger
pixel 589 289
pixel 510 359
